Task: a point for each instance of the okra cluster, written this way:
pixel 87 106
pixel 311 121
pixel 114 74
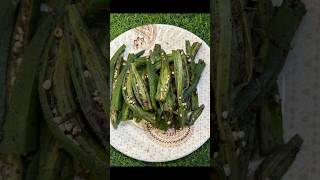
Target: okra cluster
pixel 159 88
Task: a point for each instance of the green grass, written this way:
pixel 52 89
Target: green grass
pixel 199 24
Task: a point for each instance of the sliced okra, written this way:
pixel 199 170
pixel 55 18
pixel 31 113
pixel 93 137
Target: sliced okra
pixel 178 76
pixel 153 81
pixel 115 58
pixel 169 104
pixel 117 70
pixel 116 98
pixel 88 59
pixel 140 89
pixel 164 79
pixel 129 98
pixel 60 109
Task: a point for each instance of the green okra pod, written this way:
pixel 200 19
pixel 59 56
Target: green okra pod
pixel 128 96
pixel 195 115
pixel 275 165
pixel 164 79
pixel 186 70
pixel 194 100
pixel 115 58
pixel 113 61
pixel 61 115
pixel 88 74
pixel 153 81
pixel 178 76
pixel 282 35
pixel 155 56
pixel 117 70
pixel 51 156
pixel 199 67
pixel 23 107
pixel 7 19
pixel 125 112
pixel 169 104
pixel 192 50
pixel 116 96
pixel 270 122
pixel 140 89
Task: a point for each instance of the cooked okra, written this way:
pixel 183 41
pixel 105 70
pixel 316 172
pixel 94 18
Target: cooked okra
pixel 158 88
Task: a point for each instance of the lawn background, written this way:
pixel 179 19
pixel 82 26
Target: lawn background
pixel 199 24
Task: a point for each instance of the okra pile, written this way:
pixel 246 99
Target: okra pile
pixel 54 93
pixel 159 88
pixel 251 40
